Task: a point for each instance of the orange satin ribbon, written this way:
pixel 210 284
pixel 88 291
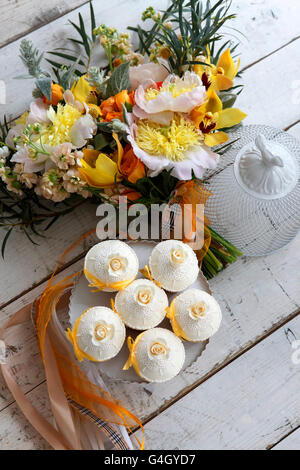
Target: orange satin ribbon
pixel 191 193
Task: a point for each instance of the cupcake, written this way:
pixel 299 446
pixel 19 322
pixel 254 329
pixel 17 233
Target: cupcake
pixel 98 335
pixel 195 315
pixel 142 305
pixel 174 265
pixel 111 265
pixel 157 355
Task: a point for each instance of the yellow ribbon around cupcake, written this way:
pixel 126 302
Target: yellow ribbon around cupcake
pixel 99 285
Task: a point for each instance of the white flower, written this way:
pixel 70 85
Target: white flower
pixel 177 95
pixel 4 152
pixel 38 113
pixel 83 130
pixel 62 156
pixel 29 179
pixel 13 133
pixel 178 148
pixel 32 163
pixel 150 71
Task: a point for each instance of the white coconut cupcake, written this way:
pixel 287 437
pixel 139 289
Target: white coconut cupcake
pixel 157 355
pixel 142 305
pixel 111 265
pixel 98 335
pixel 174 265
pixel 195 315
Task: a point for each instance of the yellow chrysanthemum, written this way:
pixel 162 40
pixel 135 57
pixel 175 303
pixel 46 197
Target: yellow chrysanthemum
pixel 171 141
pixel 62 122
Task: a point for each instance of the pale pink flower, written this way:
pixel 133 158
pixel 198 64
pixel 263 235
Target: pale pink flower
pixel 179 95
pixel 13 133
pixel 150 71
pixel 38 113
pixel 62 156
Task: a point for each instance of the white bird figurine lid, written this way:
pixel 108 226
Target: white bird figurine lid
pixel 266 169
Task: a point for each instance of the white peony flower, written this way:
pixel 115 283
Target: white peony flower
pixel 150 71
pixel 178 147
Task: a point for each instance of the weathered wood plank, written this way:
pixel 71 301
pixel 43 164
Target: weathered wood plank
pixel 256 295
pixel 251 404
pixel 19 17
pixel 268 97
pixel 292 442
pixel 15 431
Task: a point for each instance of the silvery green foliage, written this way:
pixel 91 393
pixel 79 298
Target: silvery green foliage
pixel 31 58
pixel 96 78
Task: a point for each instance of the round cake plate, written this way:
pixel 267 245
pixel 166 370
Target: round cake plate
pixel 82 298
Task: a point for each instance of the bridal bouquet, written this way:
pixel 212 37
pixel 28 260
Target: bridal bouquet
pixel 141 125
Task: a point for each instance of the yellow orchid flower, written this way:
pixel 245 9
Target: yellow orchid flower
pixel 86 94
pixel 218 77
pixel 211 116
pixel 100 170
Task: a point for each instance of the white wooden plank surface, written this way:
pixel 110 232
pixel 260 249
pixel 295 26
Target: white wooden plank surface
pixel 292 442
pixel 295 130
pixel 268 96
pixel 18 17
pixel 251 404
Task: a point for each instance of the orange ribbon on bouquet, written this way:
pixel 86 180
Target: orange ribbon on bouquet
pixel 188 194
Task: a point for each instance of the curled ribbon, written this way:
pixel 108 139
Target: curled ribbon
pixel 146 273
pixel 170 314
pixel 99 285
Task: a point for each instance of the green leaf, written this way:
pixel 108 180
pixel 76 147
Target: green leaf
pixel 119 80
pixel 100 141
pixel 228 99
pixel 44 84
